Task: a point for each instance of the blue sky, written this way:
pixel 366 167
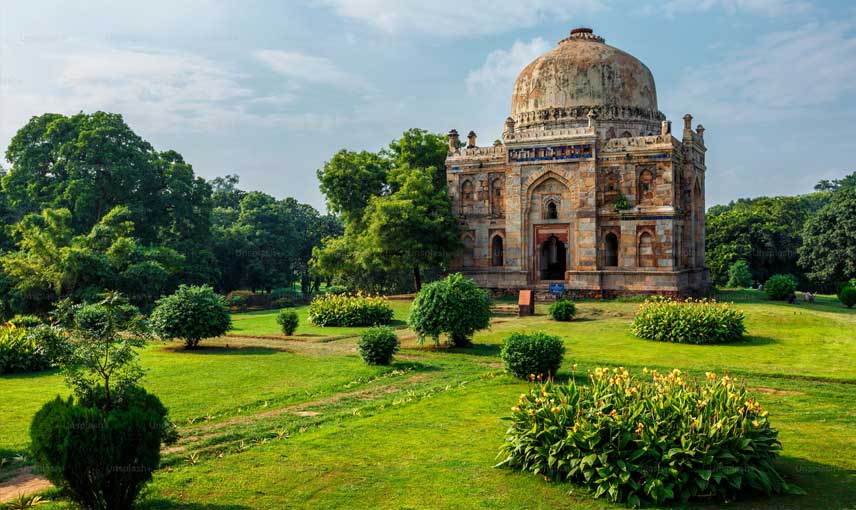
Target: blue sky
pixel 270 90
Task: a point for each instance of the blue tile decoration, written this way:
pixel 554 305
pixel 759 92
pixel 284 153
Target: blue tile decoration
pixel 550 153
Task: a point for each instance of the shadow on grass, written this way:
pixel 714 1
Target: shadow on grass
pixel 173 505
pixel 477 350
pixel 207 350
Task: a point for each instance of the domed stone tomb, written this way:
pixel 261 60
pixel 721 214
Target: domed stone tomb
pixel 589 189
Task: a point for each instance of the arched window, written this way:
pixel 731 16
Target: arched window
pixel 467 191
pixel 467 197
pixel 469 250
pixel 552 211
pixel 626 134
pixel 496 251
pixel 646 187
pixel 646 250
pixel 610 256
pixel 497 188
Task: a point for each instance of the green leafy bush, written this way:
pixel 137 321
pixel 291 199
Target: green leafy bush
pixel 100 458
pixel 532 354
pixel 454 306
pixel 20 351
pixel 780 286
pixel 25 321
pixel 349 310
pixel 688 322
pixel 563 310
pixel 739 275
pixel 667 439
pixel 377 345
pixel 287 319
pixel 847 294
pixel 237 301
pixel 191 314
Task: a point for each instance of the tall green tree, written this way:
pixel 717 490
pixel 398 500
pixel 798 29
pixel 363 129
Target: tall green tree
pixel 350 179
pixel 418 148
pixel 829 239
pixel 412 227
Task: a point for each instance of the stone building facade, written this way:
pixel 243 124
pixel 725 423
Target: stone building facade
pixel 589 186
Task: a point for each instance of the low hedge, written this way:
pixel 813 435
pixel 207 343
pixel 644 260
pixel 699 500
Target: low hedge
pixel 847 294
pixel 669 438
pixel 288 321
pixel 780 286
pixel 349 310
pixel 29 349
pixel 377 345
pixel 536 353
pixel 563 310
pixel 692 321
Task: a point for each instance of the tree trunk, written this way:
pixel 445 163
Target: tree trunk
pixel 417 278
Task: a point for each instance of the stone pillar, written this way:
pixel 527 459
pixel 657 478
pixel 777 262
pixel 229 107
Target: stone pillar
pixel 454 141
pixel 471 140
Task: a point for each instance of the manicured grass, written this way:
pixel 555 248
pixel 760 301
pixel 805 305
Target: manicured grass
pixel 263 323
pixel 302 423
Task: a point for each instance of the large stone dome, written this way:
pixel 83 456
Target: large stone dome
pixel 581 74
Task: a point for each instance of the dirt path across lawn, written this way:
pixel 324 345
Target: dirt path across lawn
pixel 24 482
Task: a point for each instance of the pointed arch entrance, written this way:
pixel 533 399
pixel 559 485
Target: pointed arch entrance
pixel 553 259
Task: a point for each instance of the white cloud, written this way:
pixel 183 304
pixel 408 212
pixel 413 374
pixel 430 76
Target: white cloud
pixel 155 92
pixel 784 75
pixel 307 68
pixel 452 18
pixel 760 7
pixel 501 67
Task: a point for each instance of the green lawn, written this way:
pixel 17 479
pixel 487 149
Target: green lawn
pixel 301 423
pixel 263 323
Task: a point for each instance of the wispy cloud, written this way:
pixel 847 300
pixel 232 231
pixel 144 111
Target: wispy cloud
pixel 308 68
pixel 783 75
pixel 451 18
pixel 501 67
pixel 759 7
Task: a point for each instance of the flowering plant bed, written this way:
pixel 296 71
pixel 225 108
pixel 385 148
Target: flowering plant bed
pixel 659 440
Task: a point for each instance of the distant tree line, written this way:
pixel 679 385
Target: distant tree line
pixel 89 206
pixel 812 237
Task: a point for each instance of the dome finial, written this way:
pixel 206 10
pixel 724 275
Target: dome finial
pixel 583 34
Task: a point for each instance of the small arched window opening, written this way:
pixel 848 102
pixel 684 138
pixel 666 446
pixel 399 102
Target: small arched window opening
pixel 646 250
pixel 610 258
pixel 496 252
pixel 646 186
pixel 626 134
pixel 552 211
pixel 467 191
pixel 497 187
pixel 469 251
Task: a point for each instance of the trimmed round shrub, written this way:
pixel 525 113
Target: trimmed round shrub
pixel 377 345
pixel 454 306
pixel 739 275
pixel 563 310
pixel 288 321
pixel 191 314
pixel 537 354
pixel 660 440
pixel 100 458
pixel 692 321
pixel 352 310
pixel 847 295
pixel 780 286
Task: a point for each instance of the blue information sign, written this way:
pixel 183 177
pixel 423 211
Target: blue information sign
pixel 557 288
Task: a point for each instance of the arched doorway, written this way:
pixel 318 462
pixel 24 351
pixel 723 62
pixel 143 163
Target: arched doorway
pixel 610 256
pixel 496 252
pixel 553 259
